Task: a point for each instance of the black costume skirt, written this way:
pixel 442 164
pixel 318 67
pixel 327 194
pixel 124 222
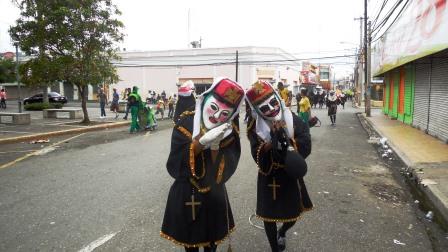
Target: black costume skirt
pixel 332 109
pixel 288 203
pixel 211 223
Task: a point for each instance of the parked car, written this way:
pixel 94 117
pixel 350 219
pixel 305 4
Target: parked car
pixel 53 97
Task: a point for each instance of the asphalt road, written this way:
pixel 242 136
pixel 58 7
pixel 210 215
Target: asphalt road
pixel 90 192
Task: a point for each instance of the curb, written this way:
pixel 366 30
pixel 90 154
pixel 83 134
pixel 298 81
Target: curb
pixel 434 196
pixel 63 132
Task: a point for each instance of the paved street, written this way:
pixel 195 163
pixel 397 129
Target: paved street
pixel 115 192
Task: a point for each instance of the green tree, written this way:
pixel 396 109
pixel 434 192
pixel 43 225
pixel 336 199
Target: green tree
pixel 30 32
pixel 77 39
pixel 7 71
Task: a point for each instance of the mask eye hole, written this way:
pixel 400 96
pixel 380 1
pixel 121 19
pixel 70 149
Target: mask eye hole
pixel 264 108
pixel 273 102
pixel 225 113
pixel 214 106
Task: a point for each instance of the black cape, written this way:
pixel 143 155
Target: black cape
pixel 291 195
pixel 213 218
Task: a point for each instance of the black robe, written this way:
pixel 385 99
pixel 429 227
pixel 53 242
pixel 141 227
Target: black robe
pixel 291 196
pixel 185 103
pixel 332 106
pixel 213 218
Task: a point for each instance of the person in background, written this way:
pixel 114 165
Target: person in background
pixel 126 97
pixel 135 104
pixel 102 97
pixel 332 105
pixel 298 98
pixel 289 99
pixel 304 107
pixel 342 100
pixel 114 104
pixel 153 97
pixel 321 99
pixel 163 95
pixel 284 94
pixel 186 102
pixel 171 102
pixel 315 101
pixel 160 107
pixel 148 99
pixel 3 98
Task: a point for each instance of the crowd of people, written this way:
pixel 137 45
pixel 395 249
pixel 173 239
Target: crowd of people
pixel 316 100
pixel 143 113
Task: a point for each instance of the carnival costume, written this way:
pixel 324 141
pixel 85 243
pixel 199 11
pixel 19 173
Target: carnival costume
pixel 279 154
pixel 186 100
pixel 332 105
pixel 198 211
pixel 135 102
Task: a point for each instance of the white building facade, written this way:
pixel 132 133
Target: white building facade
pixel 163 70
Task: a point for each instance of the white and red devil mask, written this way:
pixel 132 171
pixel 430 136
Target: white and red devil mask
pixel 267 106
pixel 186 89
pixel 217 105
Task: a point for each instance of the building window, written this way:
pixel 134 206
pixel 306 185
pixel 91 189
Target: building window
pixel 324 75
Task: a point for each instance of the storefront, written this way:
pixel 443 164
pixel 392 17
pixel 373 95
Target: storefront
pixel 413 59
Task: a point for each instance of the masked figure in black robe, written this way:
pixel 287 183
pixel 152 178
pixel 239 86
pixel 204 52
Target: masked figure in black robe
pixel 280 141
pixel 205 150
pixel 332 105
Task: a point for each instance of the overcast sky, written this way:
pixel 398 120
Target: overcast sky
pixel 304 28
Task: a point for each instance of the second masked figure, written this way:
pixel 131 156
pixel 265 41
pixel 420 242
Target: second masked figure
pixel 280 142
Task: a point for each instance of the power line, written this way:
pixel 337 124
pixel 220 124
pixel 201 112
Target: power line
pixel 379 12
pixel 230 58
pixel 396 17
pixel 386 18
pixel 230 62
pixel 232 54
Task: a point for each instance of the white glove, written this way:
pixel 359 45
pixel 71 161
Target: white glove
pixel 214 136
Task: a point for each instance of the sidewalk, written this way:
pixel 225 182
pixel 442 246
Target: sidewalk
pixel 426 156
pixel 44 128
pixel 41 128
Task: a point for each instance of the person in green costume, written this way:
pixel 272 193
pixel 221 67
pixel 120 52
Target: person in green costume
pixel 135 103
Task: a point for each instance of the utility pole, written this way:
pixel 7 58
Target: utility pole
pixel 368 65
pixel 236 64
pixel 365 60
pixel 360 19
pixel 358 77
pixel 18 78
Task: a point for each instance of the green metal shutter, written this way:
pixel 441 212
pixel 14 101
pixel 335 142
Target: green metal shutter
pixel 409 93
pixel 396 76
pixel 387 90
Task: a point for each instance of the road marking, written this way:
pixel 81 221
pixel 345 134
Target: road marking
pixel 95 244
pixel 11 131
pixel 38 152
pixel 6 152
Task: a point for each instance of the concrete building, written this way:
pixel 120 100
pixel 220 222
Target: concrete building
pixel 412 56
pixel 163 70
